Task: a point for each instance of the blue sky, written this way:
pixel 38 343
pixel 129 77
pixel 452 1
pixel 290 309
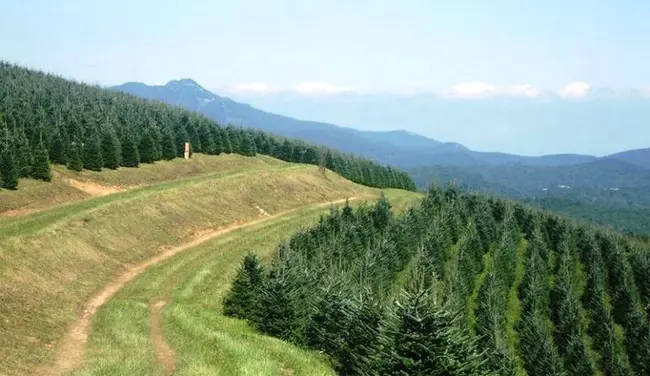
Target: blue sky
pixel 265 52
pixel 359 44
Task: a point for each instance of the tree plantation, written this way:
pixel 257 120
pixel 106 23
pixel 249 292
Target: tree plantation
pixel 44 117
pixel 459 285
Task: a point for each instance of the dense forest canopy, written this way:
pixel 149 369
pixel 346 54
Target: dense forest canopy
pixel 461 284
pixel 44 117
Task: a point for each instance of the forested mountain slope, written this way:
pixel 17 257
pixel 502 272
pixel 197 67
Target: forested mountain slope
pixel 399 148
pixel 85 127
pixel 459 285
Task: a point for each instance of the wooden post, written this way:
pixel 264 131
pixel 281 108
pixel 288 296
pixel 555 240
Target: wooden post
pixel 187 150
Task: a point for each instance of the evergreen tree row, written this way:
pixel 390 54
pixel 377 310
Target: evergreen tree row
pixel 430 291
pixel 44 117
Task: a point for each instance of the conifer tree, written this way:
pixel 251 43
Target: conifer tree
pixel 130 153
pixel 311 155
pixel 145 148
pixel 8 167
pixel 75 160
pixel 235 138
pixel 227 144
pixel 429 341
pixel 58 152
pixel 297 154
pixel 92 153
pixel 247 145
pixel 41 166
pixel 22 153
pixel 207 140
pixel 168 145
pixel 244 299
pixel 111 148
pixel 285 151
pixel 329 160
pixel 218 141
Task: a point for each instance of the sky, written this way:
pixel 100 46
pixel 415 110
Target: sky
pixel 460 49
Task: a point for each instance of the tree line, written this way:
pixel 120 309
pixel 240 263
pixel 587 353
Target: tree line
pixel 45 118
pixel 460 284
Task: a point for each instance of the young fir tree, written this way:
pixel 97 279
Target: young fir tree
pixel 92 155
pixel 297 154
pixel 235 138
pixel 430 341
pixel 22 153
pixel 111 148
pixel 41 166
pixel 243 300
pixel 58 152
pixel 218 142
pixel 75 160
pixel 8 167
pixel 329 160
pixel 207 140
pixel 247 145
pixel 285 151
pixel 146 148
pixel 225 139
pixel 130 153
pixel 168 145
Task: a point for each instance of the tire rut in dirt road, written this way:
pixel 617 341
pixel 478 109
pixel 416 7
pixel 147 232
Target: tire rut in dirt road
pixel 72 349
pixel 164 352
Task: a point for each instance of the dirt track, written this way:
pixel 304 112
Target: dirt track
pixel 72 348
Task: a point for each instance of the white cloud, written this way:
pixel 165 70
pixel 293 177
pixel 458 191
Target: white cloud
pixel 253 87
pixel 575 90
pixel 321 88
pixel 472 90
pixel 483 90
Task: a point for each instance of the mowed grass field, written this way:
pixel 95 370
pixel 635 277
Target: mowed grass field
pixel 53 260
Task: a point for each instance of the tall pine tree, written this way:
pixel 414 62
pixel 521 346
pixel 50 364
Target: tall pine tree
pixel 8 167
pixel 92 155
pixel 111 148
pixel 146 148
pixel 247 145
pixel 168 145
pixel 130 154
pixel 41 166
pixel 75 161
pixel 58 153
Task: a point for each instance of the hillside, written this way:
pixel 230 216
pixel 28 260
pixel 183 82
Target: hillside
pixel 460 285
pixel 44 117
pixel 69 252
pixel 640 157
pixel 399 148
pixel 598 191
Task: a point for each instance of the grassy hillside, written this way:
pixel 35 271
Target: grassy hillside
pixel 56 258
pixel 460 285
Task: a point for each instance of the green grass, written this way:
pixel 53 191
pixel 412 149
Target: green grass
pixel 52 261
pixel 33 195
pixel 206 342
pixel 513 312
pixel 472 306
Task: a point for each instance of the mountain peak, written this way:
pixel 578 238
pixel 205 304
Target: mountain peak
pixel 184 82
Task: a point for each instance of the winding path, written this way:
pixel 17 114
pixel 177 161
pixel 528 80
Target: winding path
pixel 72 349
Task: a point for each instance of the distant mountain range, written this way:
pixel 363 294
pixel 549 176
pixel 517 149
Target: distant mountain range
pixel 401 148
